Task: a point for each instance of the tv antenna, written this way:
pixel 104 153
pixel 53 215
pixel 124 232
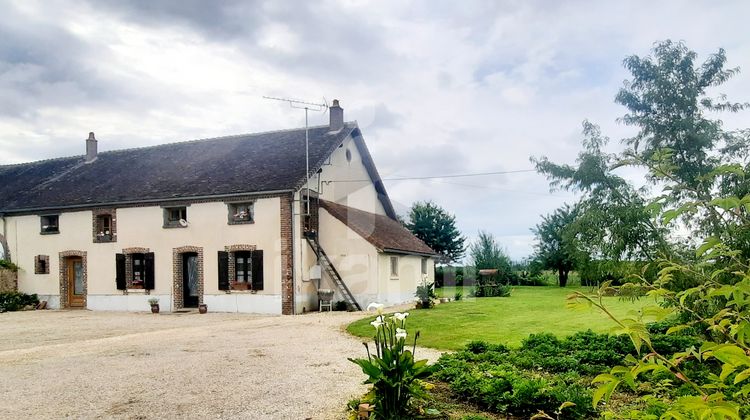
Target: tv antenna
pixel 307 106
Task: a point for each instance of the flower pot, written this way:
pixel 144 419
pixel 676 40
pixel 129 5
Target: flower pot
pixel 155 309
pixel 239 286
pixel 202 308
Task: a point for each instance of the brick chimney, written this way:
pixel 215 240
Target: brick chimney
pixel 91 148
pixel 337 116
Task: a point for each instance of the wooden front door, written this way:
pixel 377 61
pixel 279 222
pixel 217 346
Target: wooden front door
pixel 76 290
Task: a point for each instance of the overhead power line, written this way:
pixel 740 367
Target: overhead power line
pixel 409 178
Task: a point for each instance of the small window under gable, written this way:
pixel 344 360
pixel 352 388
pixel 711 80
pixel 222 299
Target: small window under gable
pixel 50 224
pixel 175 217
pixel 394 266
pixel 241 213
pixel 424 265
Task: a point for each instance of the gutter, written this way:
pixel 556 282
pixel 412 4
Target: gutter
pixel 403 252
pixel 146 201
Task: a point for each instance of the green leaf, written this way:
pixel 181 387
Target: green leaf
pixel 707 244
pixel 604 392
pixel 726 203
pixel 731 354
pixel 742 376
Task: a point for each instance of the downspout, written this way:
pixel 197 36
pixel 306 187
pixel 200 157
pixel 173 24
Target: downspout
pixel 295 277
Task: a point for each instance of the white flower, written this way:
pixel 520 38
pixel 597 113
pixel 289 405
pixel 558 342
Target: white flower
pixel 400 333
pixel 376 323
pixel 400 316
pixel 376 306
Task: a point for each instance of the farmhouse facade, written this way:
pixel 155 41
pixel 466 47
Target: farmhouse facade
pixel 235 223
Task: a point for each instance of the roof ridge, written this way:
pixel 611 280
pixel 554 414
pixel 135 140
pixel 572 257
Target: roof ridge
pixel 200 140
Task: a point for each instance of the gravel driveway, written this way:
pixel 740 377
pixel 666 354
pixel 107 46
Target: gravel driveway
pixel 86 364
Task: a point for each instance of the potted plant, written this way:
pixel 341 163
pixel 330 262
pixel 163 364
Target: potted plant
pixel 154 302
pixel 202 308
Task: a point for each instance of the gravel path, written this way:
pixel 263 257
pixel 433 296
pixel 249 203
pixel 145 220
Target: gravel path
pixel 83 364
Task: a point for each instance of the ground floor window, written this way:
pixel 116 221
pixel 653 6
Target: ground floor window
pixel 241 270
pixel 394 266
pixel 135 270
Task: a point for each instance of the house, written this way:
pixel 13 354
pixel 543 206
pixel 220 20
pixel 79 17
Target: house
pixel 229 222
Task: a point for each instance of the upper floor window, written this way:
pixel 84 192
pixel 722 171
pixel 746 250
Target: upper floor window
pixel 240 213
pixel 50 224
pixel 175 217
pixel 104 227
pixel 424 265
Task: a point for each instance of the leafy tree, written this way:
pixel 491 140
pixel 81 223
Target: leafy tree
pixel 556 247
pixel 703 174
pixel 437 228
pixel 486 253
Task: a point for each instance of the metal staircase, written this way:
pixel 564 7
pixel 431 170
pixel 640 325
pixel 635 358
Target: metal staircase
pixel 327 266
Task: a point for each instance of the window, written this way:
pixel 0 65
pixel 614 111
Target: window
pixel 424 265
pixel 41 264
pixel 394 266
pixel 243 267
pixel 50 224
pixel 139 271
pixel 104 228
pixel 175 217
pixel 135 270
pixel 240 213
pixel 241 270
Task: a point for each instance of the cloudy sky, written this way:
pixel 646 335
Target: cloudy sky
pixel 438 87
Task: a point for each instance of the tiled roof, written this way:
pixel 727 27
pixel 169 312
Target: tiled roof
pixel 383 232
pixel 249 163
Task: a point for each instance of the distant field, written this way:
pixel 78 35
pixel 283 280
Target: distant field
pixel 529 310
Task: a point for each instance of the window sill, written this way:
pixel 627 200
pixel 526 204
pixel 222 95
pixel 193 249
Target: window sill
pixel 241 222
pixel 243 292
pixel 136 291
pixel 176 226
pixel 394 278
pixel 50 233
pixel 104 240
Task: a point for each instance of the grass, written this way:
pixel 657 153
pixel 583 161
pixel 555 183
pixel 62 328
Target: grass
pixel 504 320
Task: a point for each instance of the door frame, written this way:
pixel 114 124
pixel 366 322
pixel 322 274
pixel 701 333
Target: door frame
pixel 64 258
pixel 178 300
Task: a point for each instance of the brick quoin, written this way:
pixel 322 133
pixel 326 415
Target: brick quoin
pixel 287 286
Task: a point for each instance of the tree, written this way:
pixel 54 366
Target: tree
pixel 556 247
pixel 486 253
pixel 437 228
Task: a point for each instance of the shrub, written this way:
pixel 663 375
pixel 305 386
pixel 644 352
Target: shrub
pixel 425 293
pixel 8 265
pixel 392 370
pixel 493 290
pixel 458 296
pixel 340 306
pixel 14 301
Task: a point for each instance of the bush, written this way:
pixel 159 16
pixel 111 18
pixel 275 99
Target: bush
pixel 425 293
pixel 493 290
pixel 340 306
pixel 458 296
pixel 8 265
pixel 15 301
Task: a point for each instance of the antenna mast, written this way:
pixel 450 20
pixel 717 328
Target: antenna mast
pixel 297 104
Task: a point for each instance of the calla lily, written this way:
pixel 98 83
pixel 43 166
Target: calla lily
pixel 400 333
pixel 400 316
pixel 376 323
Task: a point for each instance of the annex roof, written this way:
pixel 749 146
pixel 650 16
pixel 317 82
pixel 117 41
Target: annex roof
pixel 385 233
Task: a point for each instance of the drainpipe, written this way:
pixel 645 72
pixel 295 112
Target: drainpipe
pixel 295 276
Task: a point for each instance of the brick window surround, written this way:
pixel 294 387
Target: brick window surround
pixel 231 249
pixel 128 252
pixel 177 287
pixel 64 277
pixel 98 235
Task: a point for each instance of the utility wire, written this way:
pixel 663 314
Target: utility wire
pixel 408 178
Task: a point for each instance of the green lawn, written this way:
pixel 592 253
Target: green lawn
pixel 508 320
